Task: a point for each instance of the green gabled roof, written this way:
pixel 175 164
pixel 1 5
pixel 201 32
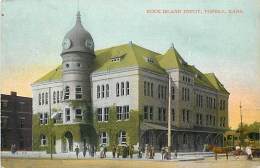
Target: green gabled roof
pixel 216 83
pixel 55 74
pixel 131 55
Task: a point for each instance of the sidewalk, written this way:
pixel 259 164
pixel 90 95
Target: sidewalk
pixel 188 156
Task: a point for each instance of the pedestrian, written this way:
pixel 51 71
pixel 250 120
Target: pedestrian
pixel 117 151
pixel 12 148
pixel 101 151
pixel 249 153
pixel 85 151
pixel 140 153
pixel 175 154
pixel 237 152
pixel 152 152
pixel 114 151
pixel 162 152
pixel 105 152
pixel 77 151
pixel 146 151
pixel 131 151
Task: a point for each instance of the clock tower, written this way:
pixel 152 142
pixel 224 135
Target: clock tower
pixel 77 60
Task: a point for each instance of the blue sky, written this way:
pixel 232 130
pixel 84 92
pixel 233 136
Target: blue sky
pixel 226 44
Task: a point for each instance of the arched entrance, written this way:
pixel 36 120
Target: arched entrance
pixel 68 142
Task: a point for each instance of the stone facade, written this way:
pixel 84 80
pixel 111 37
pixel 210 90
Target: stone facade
pixel 128 78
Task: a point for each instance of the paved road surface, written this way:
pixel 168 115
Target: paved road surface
pixel 98 163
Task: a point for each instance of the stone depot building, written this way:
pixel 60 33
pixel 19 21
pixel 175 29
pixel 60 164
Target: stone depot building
pixel 119 95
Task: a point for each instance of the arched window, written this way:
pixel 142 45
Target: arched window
pixel 54 97
pixel 122 88
pixel 117 89
pixel 58 96
pixel 39 98
pixel 78 91
pixel 102 91
pixel 122 137
pixel 67 93
pixel 98 91
pixel 103 138
pixel 46 98
pixel 43 140
pixel 42 98
pixel 127 88
pixel 107 90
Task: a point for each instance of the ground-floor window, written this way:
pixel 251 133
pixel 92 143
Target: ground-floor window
pixel 103 138
pixel 122 137
pixel 43 139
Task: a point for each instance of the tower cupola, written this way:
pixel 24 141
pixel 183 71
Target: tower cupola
pixel 78 39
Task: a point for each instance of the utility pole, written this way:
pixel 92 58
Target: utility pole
pixel 169 117
pixel 240 131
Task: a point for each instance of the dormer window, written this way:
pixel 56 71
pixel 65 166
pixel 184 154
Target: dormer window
pixel 116 59
pixel 149 59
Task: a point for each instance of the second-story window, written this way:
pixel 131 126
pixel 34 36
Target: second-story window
pixel 122 89
pixel 146 112
pixel 145 88
pixel 127 88
pixel 67 93
pixel 46 98
pixel 67 112
pixel 78 92
pixel 152 89
pixel 58 96
pixel 173 115
pixel 42 98
pixel 107 90
pixel 39 98
pixel 98 91
pixel 102 91
pixel 117 89
pixel 54 97
pixel 159 91
pixel 172 93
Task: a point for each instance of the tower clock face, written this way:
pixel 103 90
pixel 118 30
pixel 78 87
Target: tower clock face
pixel 89 44
pixel 66 44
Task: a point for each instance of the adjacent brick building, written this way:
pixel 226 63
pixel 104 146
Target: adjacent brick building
pixel 16 122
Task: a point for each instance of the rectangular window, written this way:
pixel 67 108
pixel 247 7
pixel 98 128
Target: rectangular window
pixel 78 93
pixel 98 91
pixel 106 110
pixel 151 113
pixel 183 115
pixel 188 115
pixel 58 96
pixel 152 89
pixel 159 91
pixel 119 112
pixel 127 88
pixel 146 112
pixel 173 115
pixel 54 97
pixel 46 98
pixel 67 112
pixel 197 119
pixel 42 98
pixel 99 114
pixel 45 121
pixel 61 95
pixel 173 94
pixel 78 115
pixel 22 121
pixel 188 94
pixel 107 90
pixel 67 93
pixel 117 89
pixel 41 119
pixel 207 119
pixel 102 91
pixel 165 92
pixel 126 112
pixel 145 88
pixel 182 95
pixel 162 94
pixel 200 119
pixel 159 114
pixel 148 88
pixel 122 89
pixel 39 98
pixel 164 114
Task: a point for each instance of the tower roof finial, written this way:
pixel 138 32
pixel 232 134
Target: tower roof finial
pixel 172 45
pixel 78 17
